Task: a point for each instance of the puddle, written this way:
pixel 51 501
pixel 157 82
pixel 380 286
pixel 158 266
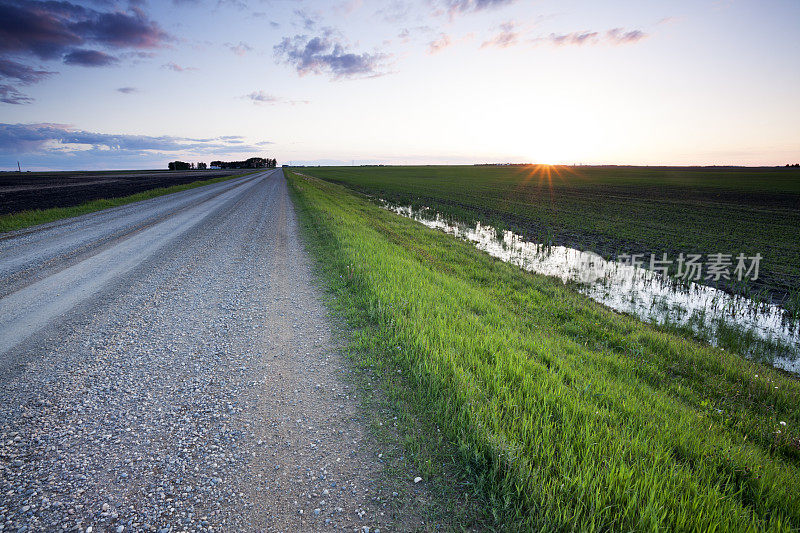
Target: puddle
pixel 759 330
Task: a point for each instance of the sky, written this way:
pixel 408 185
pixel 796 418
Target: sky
pixel 112 84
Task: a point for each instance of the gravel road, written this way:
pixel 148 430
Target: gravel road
pixel 168 366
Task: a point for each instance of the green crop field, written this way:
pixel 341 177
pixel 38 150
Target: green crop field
pixel 613 210
pixel 562 414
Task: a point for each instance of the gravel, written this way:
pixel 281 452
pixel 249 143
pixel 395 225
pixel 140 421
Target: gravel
pixel 198 390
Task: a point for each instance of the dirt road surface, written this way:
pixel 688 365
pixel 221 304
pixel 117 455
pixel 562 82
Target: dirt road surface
pixel 168 366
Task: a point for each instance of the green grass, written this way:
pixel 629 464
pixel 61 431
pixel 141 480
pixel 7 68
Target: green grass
pixel 34 217
pixel 616 209
pixel 561 414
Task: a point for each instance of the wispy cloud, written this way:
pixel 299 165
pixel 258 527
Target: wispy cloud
pixel 307 21
pixel 327 54
pixel 10 95
pixel 237 4
pixel 22 73
pixel 507 36
pixel 439 44
pixel 178 68
pixel 407 34
pixel 620 36
pixel 347 7
pixel 666 21
pixel 261 98
pixel 446 41
pixel 239 49
pixel 459 7
pixel 615 36
pixel 578 38
pixel 395 11
pixel 128 90
pixel 262 15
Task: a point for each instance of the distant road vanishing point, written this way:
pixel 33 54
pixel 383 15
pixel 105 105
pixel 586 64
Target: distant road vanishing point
pixel 168 365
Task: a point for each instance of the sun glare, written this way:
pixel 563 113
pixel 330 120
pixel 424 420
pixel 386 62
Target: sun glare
pixel 544 173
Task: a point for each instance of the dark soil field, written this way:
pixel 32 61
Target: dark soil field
pixel 613 210
pixel 43 190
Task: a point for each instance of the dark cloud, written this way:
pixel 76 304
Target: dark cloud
pixel 22 73
pixel 89 58
pixel 36 138
pixel 10 95
pixel 507 36
pixel 57 29
pixel 38 28
pixel 50 29
pixel 261 97
pixel 326 54
pixel 122 30
pixel 128 90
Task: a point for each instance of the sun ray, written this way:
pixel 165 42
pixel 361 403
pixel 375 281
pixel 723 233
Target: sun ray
pixel 543 174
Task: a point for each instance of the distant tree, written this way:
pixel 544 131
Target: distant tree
pixel 179 165
pixel 202 166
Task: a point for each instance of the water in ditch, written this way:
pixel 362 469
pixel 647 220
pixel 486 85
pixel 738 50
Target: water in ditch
pixel 759 330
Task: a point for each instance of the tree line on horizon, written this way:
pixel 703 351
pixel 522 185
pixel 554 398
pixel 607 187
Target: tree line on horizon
pixel 253 162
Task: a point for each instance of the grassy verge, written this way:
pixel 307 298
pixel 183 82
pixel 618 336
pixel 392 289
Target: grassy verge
pixel 34 217
pixel 560 415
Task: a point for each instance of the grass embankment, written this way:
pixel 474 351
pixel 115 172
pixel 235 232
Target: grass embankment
pixel 565 415
pixel 617 209
pixel 34 217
